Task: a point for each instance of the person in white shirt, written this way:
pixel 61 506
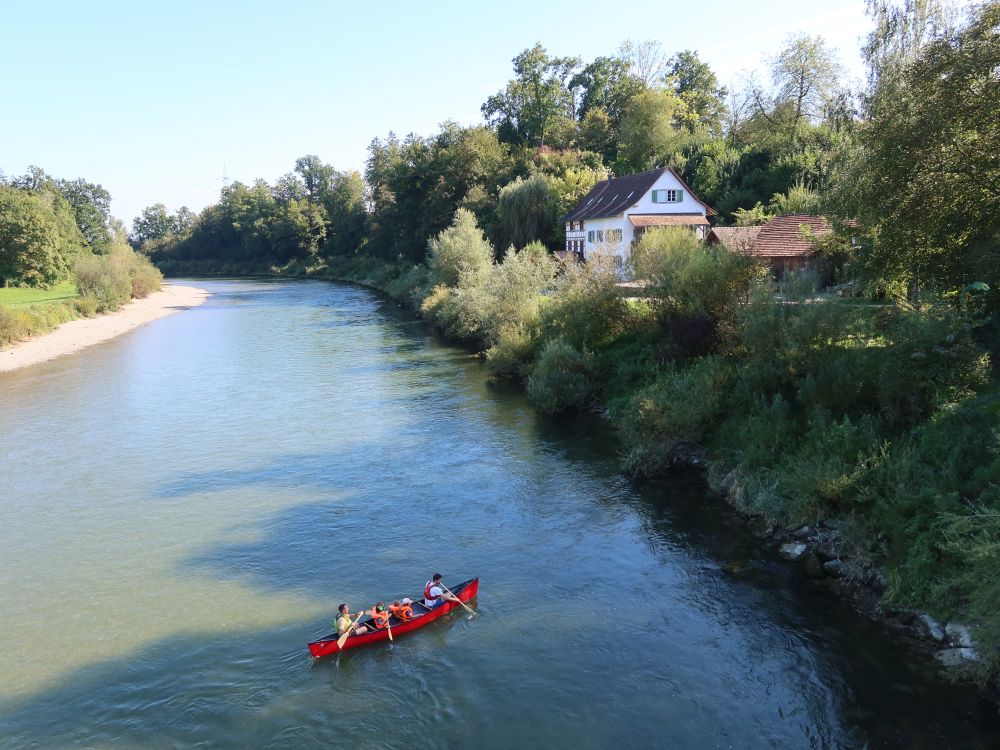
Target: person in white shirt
pixel 435 595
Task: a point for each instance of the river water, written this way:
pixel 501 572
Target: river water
pixel 183 508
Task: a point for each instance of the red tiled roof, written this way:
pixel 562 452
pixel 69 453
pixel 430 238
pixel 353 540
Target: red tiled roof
pixel 667 220
pixel 781 237
pixel 737 239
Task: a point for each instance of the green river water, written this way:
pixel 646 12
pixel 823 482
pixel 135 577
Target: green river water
pixel 182 508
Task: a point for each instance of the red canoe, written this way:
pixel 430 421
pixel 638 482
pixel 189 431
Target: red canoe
pixel 327 645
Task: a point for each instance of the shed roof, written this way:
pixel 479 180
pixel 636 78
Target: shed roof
pixel 782 236
pixel 737 239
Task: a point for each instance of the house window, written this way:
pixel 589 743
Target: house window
pixel 600 235
pixel 590 236
pixel 668 196
pixel 614 235
pixel 619 261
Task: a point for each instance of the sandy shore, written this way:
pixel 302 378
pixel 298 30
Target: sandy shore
pixel 78 334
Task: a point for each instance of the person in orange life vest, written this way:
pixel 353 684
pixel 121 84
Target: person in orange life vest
pixel 402 610
pixel 380 615
pixel 435 595
pixel 344 620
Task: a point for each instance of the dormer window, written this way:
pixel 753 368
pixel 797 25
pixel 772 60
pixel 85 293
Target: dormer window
pixel 668 196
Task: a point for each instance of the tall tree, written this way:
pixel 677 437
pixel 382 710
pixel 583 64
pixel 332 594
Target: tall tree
pixel 696 85
pixel 646 60
pixel 536 100
pixel 606 83
pixel 92 208
pixel 806 75
pixel 152 224
pixel 316 177
pixel 650 135
pixel 34 247
pixel 926 182
pixel 900 34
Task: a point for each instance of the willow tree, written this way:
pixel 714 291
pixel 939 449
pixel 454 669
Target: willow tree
pixel 523 208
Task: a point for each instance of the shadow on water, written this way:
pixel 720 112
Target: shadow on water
pixel 195 690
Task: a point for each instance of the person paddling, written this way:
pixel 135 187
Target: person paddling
pixel 345 620
pixel 435 595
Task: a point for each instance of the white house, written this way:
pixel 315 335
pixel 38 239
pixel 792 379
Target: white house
pixel 615 213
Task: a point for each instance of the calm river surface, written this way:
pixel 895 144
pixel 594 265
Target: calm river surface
pixel 181 509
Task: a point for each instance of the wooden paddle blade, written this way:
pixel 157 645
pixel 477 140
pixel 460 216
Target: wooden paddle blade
pixel 467 607
pixel 347 633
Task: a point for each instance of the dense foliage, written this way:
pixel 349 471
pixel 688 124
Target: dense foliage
pixel 59 233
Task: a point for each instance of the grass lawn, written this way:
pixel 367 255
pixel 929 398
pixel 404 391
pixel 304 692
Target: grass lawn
pixel 26 297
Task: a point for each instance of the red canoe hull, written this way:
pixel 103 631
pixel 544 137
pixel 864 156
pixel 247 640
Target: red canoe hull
pixel 327 645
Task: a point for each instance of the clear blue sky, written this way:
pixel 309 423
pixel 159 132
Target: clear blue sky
pixel 154 100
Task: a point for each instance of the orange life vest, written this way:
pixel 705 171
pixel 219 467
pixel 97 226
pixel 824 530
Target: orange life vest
pixel 403 612
pixel 381 618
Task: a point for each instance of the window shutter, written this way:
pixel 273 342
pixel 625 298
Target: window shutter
pixel 680 196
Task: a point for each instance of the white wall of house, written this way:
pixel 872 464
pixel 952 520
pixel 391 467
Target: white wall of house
pixel 599 237
pixel 687 204
pixel 597 233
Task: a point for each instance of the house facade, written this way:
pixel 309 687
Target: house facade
pixel 615 213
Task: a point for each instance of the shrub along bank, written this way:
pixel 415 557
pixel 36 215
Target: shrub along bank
pixel 105 283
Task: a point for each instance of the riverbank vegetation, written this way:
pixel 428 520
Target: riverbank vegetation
pixel 877 405
pixel 62 256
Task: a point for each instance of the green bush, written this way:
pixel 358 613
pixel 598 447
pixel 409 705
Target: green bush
pixel 86 306
pixel 145 277
pixel 925 492
pixel 105 278
pixel 512 353
pixel 460 254
pixel 689 277
pixel 562 378
pixel 822 472
pixel 405 286
pixel 12 327
pixel 756 435
pixel 512 291
pixel 680 407
pixel 630 362
pixel 586 308
pixel 18 325
pixel 113 279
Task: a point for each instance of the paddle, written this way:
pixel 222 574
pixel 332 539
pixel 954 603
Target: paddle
pixel 471 611
pixel 389 628
pixel 347 633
